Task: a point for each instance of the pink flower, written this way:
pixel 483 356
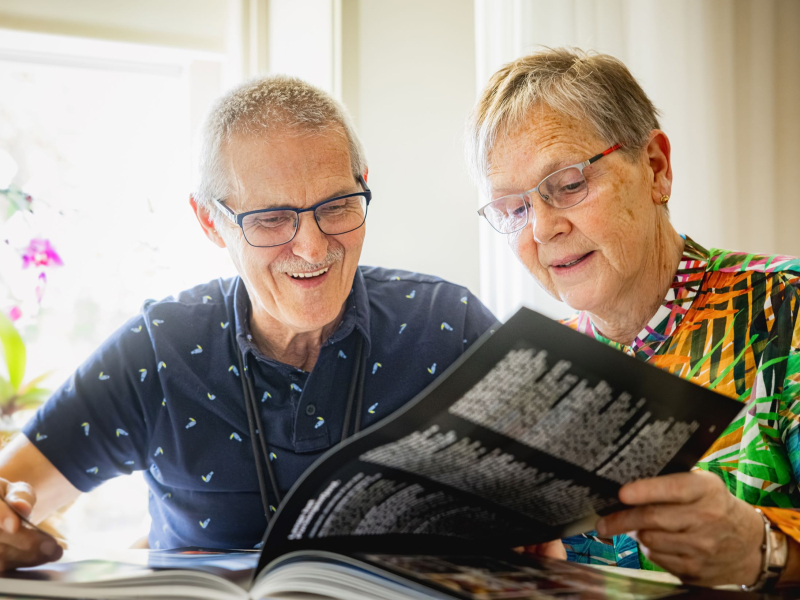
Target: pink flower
pixel 15 313
pixel 40 253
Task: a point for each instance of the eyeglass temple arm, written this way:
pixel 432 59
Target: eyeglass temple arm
pixel 602 154
pixel 227 212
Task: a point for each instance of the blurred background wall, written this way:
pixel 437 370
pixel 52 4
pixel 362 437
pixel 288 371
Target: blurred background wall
pixel 100 102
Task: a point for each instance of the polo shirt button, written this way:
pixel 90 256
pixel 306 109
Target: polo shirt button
pixel 310 409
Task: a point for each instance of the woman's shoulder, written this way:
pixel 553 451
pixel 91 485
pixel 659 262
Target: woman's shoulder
pixel 727 261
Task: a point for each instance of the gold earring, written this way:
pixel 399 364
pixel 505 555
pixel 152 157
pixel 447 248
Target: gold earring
pixel 664 199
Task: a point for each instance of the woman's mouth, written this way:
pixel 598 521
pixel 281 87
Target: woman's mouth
pixel 572 262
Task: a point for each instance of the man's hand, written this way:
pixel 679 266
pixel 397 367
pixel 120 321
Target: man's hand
pixel 20 545
pixel 689 524
pixel 554 549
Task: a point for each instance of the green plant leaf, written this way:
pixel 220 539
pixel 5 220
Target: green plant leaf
pixel 13 350
pixel 35 382
pixel 32 398
pixel 6 392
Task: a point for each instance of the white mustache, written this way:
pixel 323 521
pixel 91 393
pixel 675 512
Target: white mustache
pixel 298 265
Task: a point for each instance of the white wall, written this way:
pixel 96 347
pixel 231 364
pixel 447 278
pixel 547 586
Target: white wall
pixel 408 77
pixel 193 24
pixel 302 40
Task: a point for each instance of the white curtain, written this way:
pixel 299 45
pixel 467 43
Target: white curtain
pixel 726 78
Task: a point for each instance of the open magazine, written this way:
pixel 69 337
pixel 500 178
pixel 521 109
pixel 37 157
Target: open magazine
pixel 526 438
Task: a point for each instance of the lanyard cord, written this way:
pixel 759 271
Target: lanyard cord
pixel 355 379
pixel 262 488
pixel 251 410
pixel 257 436
pixel 260 449
pixel 263 440
pixel 360 391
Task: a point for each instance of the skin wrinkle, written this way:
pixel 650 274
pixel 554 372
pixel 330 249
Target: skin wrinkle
pixel 636 250
pixel 290 323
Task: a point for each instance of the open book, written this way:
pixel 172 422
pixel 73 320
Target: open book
pixel 526 438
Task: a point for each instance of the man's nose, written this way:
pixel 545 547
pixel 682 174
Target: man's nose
pixel 547 222
pixel 309 242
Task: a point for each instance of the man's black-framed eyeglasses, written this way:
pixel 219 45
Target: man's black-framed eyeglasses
pixel 277 226
pixel 562 189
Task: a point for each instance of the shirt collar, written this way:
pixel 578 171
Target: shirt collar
pixel 356 315
pixel 673 308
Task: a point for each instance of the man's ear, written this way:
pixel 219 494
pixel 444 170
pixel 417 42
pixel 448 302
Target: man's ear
pixel 206 222
pixel 366 174
pixel 658 155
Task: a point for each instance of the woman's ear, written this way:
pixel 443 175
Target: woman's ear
pixel 206 222
pixel 658 155
pixel 366 174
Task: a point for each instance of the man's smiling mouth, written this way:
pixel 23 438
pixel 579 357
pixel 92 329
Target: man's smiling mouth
pixel 308 275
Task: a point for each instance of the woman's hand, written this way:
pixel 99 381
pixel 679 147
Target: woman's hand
pixel 20 545
pixel 691 525
pixel 554 549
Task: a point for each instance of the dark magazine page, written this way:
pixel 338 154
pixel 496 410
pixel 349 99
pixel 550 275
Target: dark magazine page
pixel 526 438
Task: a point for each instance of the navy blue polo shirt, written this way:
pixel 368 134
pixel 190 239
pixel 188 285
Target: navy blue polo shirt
pixel 163 395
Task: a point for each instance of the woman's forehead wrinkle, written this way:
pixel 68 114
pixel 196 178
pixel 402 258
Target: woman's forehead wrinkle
pixel 520 159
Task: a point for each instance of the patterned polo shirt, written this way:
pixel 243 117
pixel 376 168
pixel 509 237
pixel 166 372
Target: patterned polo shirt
pixel 730 322
pixel 163 395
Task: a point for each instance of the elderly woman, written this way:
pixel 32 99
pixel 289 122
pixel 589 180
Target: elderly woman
pixel 579 175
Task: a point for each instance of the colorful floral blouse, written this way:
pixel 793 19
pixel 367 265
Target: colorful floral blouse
pixel 730 323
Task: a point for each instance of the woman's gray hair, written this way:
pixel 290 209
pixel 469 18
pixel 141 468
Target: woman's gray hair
pixel 275 103
pixel 592 87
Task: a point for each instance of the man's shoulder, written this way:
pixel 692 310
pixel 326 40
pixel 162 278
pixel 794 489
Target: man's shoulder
pixel 379 279
pixel 215 293
pixel 398 298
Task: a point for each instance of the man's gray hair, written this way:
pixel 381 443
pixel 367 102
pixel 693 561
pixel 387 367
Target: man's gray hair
pixel 261 106
pixel 592 87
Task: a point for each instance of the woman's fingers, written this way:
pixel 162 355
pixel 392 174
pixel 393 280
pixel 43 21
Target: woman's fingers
pixel 553 549
pixel 664 517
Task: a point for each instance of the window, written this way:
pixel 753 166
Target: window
pixel 102 137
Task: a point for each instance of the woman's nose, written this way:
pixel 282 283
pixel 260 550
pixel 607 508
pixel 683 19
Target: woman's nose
pixel 547 222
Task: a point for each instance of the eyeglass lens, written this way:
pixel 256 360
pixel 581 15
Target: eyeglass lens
pixel 561 189
pixel 274 228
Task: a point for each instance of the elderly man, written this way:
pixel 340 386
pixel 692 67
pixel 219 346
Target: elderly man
pixel 226 393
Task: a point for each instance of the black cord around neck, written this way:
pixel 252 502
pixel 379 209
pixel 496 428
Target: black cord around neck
pixel 257 436
pixel 355 378
pixel 262 487
pixel 263 441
